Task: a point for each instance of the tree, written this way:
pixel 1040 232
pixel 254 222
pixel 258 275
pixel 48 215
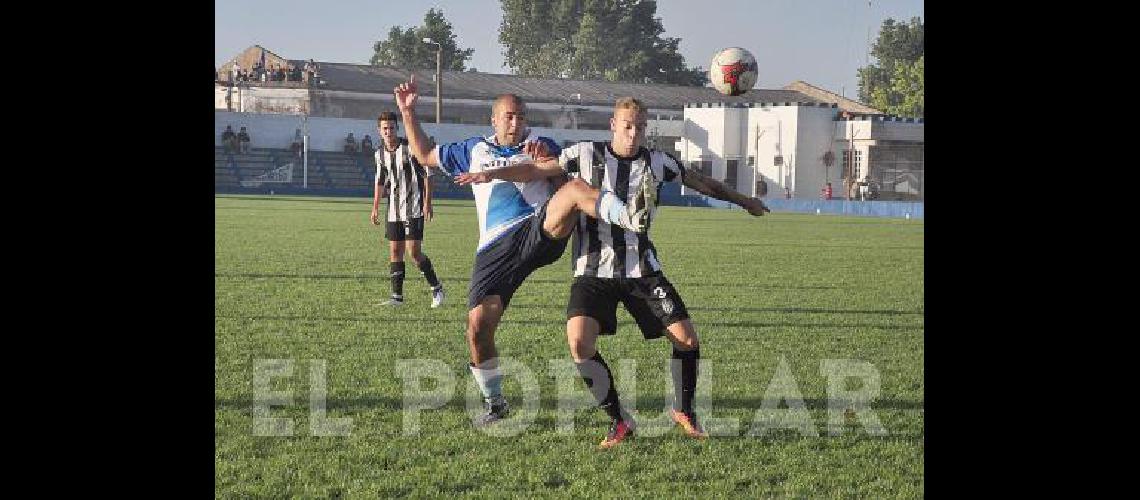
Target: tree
pixel 615 40
pixel 896 83
pixel 405 48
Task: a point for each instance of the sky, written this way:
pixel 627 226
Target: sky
pixel 822 42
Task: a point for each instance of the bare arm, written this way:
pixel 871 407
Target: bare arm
pixel 712 187
pixel 418 142
pixel 519 172
pixel 377 192
pixel 428 213
pixel 542 167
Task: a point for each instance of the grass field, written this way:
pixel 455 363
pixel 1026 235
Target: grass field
pixel 296 279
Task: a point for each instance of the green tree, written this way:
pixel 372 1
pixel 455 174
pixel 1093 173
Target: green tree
pixel 615 40
pixel 405 48
pixel 895 83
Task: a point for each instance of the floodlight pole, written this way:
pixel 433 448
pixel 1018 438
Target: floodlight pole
pixel 438 80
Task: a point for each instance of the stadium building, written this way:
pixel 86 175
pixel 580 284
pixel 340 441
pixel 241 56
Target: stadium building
pixel 795 139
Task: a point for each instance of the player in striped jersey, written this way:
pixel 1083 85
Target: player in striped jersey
pixel 401 179
pixel 612 264
pixel 516 231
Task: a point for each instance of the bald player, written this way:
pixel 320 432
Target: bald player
pixel 515 234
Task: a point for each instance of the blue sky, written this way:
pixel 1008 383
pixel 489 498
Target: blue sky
pixel 821 42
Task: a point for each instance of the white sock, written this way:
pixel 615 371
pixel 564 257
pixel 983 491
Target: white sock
pixel 489 380
pixel 611 210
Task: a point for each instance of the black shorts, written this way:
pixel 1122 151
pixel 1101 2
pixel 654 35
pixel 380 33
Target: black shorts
pixel 651 300
pixel 405 230
pixel 501 267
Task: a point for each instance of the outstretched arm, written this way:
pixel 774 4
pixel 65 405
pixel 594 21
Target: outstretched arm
pixel 418 143
pixel 712 187
pixel 542 167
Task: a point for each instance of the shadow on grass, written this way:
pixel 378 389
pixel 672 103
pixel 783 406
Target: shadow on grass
pixel 465 279
pixel 647 408
pixel 644 404
pixel 507 321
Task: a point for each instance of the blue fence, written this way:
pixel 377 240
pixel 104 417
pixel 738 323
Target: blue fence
pixel 671 195
pixel 900 209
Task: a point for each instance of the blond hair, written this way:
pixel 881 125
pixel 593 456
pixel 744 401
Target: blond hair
pixel 630 103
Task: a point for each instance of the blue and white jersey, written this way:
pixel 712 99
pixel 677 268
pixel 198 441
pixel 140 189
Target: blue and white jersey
pixel 501 205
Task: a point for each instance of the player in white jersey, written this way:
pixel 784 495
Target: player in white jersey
pixel 401 179
pixel 516 234
pixel 615 266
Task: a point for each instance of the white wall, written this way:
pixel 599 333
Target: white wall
pixel 815 136
pixel 271 130
pixel 800 135
pixel 772 133
pixel 262 99
pixel 702 138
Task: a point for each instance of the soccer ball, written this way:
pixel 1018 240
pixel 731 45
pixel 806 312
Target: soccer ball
pixel 733 71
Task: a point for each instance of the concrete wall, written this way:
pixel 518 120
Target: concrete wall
pixel 261 99
pixel 815 137
pixel 756 137
pixel 895 209
pixel 327 134
pixel 772 134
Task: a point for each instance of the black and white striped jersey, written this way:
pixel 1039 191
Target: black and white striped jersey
pixel 607 251
pixel 405 178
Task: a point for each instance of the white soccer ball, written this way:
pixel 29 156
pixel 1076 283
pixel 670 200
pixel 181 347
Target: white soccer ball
pixel 733 71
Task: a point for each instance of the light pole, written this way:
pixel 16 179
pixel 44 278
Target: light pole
pixel 305 151
pixel 438 80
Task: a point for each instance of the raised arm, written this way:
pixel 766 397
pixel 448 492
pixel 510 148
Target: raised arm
pixel 696 180
pixel 418 143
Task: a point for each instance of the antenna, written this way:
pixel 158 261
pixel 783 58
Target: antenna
pixel 867 61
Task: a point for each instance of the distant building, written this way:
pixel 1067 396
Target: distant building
pixel 799 137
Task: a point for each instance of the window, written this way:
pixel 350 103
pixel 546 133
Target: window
pixel 730 175
pixel 702 166
pixel 751 161
pixel 856 169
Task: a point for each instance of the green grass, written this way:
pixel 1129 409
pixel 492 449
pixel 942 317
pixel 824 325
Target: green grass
pixel 296 279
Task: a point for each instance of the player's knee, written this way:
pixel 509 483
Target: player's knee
pixel 577 186
pixel 474 334
pixel 581 350
pixel 582 343
pixel 576 183
pixel 478 326
pixel 687 343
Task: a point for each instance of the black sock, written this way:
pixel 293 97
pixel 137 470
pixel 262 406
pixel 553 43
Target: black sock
pixel 428 272
pixel 685 378
pixel 397 278
pixel 608 401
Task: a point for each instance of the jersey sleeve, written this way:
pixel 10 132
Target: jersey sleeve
pixel 551 145
pixel 568 159
pixel 455 157
pixel 672 168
